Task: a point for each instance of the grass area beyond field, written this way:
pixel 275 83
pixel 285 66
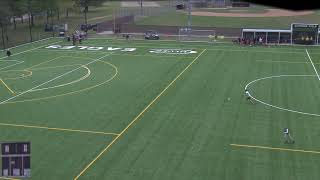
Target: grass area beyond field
pixel 180 18
pixel 143 110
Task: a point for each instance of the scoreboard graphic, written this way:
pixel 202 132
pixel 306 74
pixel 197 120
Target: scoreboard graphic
pixel 305 33
pixel 15 157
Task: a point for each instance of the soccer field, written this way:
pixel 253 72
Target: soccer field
pixel 161 110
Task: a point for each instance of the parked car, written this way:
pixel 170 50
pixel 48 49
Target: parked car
pixel 84 27
pixel 151 34
pixel 180 6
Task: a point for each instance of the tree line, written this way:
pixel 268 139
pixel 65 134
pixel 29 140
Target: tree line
pixel 13 10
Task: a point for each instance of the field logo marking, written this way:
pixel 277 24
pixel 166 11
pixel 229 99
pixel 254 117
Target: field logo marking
pixel 172 51
pixel 137 117
pixel 91 48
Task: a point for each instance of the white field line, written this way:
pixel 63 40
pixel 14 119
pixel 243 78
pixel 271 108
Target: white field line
pixel 64 74
pixel 72 82
pixel 277 107
pixel 312 64
pixel 18 62
pixel 218 48
pixel 30 50
pixel 44 62
pixel 170 47
pixel 104 52
pixel 28 43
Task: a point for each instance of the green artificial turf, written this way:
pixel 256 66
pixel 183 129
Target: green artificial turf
pixel 169 116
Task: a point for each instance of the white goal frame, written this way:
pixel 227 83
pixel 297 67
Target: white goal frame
pixel 196 35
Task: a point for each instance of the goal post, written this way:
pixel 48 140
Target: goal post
pixel 196 35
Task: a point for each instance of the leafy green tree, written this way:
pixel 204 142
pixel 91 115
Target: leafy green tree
pixel 15 11
pixel 4 19
pixel 84 7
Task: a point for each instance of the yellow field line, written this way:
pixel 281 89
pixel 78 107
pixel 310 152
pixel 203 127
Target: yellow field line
pixel 275 148
pixel 136 118
pixel 58 129
pixel 72 92
pixel 8 178
pixel 24 76
pixel 7 86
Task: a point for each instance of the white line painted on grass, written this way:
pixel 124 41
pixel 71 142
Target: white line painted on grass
pixel 64 74
pixel 312 64
pixel 30 50
pixel 65 84
pixel 18 62
pixel 277 107
pixel 13 47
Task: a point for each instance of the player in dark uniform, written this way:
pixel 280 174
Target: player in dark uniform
pixel 9 53
pixel 73 39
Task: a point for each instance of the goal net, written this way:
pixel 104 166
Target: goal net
pixel 196 35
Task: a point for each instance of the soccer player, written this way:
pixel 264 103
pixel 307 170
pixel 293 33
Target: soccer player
pixel 8 53
pixel 287 137
pixel 247 94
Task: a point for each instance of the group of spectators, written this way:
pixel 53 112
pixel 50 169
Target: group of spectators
pixel 250 41
pixel 77 36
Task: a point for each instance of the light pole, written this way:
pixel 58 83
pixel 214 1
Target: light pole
pixel 141 12
pixel 189 17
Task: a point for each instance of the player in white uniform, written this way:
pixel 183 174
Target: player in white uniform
pixel 247 94
pixel 287 137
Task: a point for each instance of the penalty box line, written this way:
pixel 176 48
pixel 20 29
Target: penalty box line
pixel 138 116
pixel 58 77
pixel 58 129
pixel 313 64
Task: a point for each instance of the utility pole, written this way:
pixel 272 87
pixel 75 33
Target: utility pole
pixel 29 17
pixel 189 17
pixel 141 10
pixel 51 12
pixel 30 27
pixel 85 17
pixel 2 36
